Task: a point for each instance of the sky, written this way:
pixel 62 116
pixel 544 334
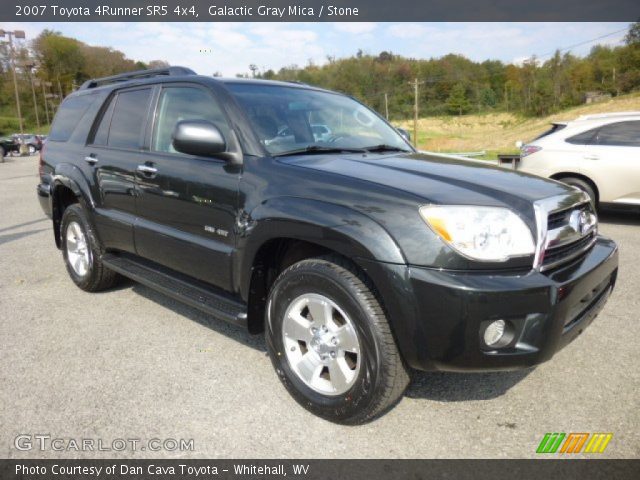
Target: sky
pixel 230 48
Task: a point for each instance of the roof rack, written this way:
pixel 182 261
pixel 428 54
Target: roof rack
pixel 138 74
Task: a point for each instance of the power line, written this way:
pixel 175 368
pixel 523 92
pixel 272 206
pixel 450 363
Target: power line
pixel 583 43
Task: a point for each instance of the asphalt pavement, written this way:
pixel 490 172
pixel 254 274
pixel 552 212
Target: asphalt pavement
pixel 132 364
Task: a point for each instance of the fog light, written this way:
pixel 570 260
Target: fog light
pixel 494 332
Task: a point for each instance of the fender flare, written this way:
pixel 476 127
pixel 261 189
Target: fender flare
pixel 71 177
pixel 334 227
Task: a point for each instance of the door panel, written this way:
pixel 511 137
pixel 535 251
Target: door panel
pixel 616 172
pixel 613 162
pixel 114 152
pixel 187 206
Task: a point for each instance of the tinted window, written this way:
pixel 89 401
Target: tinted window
pixel 68 117
pixel 184 103
pixel 556 127
pixel 584 138
pixel 621 134
pixel 128 118
pixel 102 132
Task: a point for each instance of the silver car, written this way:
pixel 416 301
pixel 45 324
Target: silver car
pixel 599 154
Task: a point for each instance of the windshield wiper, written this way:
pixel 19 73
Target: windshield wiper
pixel 385 148
pixel 319 149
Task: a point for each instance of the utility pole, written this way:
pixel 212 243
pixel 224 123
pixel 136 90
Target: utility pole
pixel 44 97
pixel 16 34
pixel 386 105
pixel 415 84
pixel 29 67
pixel 59 90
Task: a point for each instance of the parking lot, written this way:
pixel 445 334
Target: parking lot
pixel 131 363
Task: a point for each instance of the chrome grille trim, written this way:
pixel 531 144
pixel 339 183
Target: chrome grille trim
pixel 544 237
pixel 573 254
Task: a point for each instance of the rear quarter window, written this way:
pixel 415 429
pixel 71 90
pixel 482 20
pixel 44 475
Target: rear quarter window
pixel 584 138
pixel 556 127
pixel 68 117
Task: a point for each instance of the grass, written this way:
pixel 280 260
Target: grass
pixel 497 132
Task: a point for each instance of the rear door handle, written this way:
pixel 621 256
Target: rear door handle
pixel 91 160
pixel 147 169
pixel 591 157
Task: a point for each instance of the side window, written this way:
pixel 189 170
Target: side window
pixel 584 138
pixel 128 118
pixel 184 103
pixel 625 134
pixel 102 132
pixel 68 117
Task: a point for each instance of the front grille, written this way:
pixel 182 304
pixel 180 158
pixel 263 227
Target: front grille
pixel 555 255
pixel 561 218
pixel 564 240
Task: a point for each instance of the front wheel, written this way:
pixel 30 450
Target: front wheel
pixel 330 342
pixel 32 150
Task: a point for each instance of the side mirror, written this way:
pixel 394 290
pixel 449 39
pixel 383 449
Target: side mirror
pixel 198 137
pixel 519 144
pixel 404 133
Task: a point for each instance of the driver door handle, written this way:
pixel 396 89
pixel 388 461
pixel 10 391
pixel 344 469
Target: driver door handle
pixel 91 160
pixel 147 169
pixel 591 156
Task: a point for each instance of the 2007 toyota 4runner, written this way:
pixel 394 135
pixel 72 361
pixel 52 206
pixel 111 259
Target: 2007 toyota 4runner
pixel 300 212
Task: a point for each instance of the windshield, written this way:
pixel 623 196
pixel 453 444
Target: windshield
pixel 291 120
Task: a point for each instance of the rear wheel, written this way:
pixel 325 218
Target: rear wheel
pixel 330 342
pixel 582 185
pixel 82 253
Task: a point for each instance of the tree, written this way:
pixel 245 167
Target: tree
pixel 633 35
pixel 158 64
pixel 457 102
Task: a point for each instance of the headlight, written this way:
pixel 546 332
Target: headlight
pixel 481 233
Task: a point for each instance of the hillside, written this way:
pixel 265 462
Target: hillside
pixel 498 132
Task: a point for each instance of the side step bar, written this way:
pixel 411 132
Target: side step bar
pixel 218 305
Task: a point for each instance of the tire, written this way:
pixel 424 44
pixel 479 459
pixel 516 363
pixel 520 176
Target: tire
pixel 2 154
pixel 582 185
pixel 349 385
pixel 83 264
pixel 32 150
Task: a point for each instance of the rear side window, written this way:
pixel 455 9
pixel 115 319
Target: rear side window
pixel 584 138
pixel 556 127
pixel 624 134
pixel 102 132
pixel 68 117
pixel 122 123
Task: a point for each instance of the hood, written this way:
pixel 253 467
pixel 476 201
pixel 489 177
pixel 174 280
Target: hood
pixel 438 179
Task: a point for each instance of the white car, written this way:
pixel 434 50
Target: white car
pixel 599 154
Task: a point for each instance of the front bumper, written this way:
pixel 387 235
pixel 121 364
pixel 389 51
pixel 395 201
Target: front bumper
pixel 437 315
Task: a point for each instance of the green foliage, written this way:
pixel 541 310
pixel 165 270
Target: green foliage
pixel 456 85
pixel 8 126
pixel 457 102
pixel 54 65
